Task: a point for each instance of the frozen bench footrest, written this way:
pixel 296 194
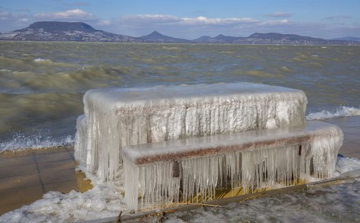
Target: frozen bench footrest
pixel 158 171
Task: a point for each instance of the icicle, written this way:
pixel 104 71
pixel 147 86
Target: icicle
pixel 81 140
pixel 131 116
pixel 251 160
pixel 207 140
pixel 131 186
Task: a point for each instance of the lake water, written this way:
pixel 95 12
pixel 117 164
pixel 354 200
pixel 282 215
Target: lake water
pixel 42 83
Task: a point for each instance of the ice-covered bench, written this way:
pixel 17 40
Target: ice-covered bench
pixel 157 171
pixel 129 116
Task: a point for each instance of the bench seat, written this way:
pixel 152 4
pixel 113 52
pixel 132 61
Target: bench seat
pixel 175 170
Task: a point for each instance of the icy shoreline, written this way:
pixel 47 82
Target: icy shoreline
pixel 105 200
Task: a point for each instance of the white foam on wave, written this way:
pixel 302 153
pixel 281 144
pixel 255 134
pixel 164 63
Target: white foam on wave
pixel 5 70
pixel 339 112
pixel 21 142
pixel 345 164
pixel 40 60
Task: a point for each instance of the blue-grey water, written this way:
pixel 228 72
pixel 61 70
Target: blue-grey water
pixel 42 83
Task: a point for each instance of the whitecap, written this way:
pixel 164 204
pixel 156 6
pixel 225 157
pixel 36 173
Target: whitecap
pixel 40 60
pixel 21 142
pixel 345 164
pixel 339 112
pixel 5 70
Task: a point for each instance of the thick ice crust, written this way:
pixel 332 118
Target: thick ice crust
pixel 81 139
pixel 123 97
pixel 176 150
pixel 131 116
pixel 266 158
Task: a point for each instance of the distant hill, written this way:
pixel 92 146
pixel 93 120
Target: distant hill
pixel 270 38
pixel 203 39
pixel 226 38
pixel 277 38
pixel 79 31
pixel 61 27
pixel 348 38
pixel 218 39
pixel 158 37
pixel 64 31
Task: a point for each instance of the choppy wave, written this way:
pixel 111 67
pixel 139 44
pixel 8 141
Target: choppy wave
pixel 42 84
pixel 40 60
pixel 342 111
pixel 5 70
pixel 345 164
pixel 21 142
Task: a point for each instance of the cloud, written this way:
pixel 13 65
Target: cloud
pixel 74 15
pixel 275 22
pixel 10 17
pixel 174 20
pixel 279 15
pixel 104 23
pixel 25 20
pixel 150 18
pixel 10 21
pixel 4 15
pixel 186 27
pixel 201 20
pixel 338 17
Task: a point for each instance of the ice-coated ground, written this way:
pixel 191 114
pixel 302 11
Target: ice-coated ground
pixel 103 200
pixel 336 203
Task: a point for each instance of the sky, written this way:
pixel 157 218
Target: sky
pixel 191 19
